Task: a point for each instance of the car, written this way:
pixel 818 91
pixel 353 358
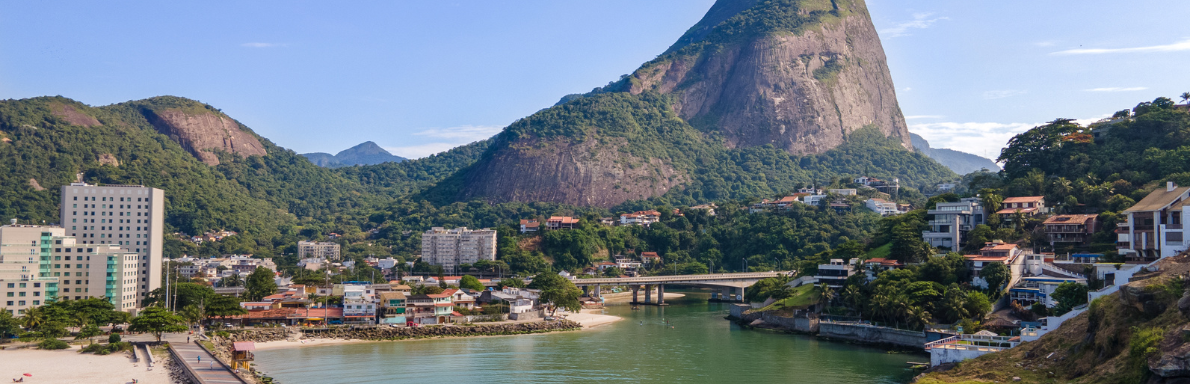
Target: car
pixel 549 318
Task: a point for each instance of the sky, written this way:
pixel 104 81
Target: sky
pixel 422 77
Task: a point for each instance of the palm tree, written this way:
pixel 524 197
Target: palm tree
pixel 33 318
pixel 1185 96
pixel 827 294
pixel 192 313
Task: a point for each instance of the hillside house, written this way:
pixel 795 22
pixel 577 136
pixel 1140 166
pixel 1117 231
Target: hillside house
pixel 640 218
pixel 1154 229
pixel 530 225
pixel 1071 229
pixel 996 252
pixel 561 222
pixel 650 258
pixel 952 222
pixel 1027 205
pixel 883 207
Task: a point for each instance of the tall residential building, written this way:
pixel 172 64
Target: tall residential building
pixel 129 216
pixel 324 250
pixel 952 221
pixel 449 248
pixel 26 280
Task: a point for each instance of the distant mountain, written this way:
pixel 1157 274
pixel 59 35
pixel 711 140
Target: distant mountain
pixel 367 153
pixel 960 162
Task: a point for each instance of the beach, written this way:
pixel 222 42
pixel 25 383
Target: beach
pixel 591 318
pixel 67 366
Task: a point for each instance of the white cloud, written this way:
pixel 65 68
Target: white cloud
pixel 911 117
pixel 907 89
pixel 421 150
pixel 1116 89
pixel 920 21
pixel 1183 45
pixel 444 139
pixel 469 133
pixel 1000 94
pixel 261 45
pixel 982 139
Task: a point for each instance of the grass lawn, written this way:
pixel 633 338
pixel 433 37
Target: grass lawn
pixel 803 296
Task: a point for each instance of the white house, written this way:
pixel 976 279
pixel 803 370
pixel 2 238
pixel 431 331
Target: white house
pixel 882 206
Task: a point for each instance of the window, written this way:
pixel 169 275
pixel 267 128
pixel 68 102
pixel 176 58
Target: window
pixel 11 294
pixel 22 294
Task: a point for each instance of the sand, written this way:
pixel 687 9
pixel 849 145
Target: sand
pixel 591 318
pixel 280 344
pixel 68 366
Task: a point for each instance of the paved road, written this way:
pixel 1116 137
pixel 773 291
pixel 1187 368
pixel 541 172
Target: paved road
pixel 200 361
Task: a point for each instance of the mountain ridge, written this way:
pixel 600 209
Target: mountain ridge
pixel 800 76
pixel 960 162
pixel 366 153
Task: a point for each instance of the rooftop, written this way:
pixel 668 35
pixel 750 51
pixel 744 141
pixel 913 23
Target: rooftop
pixel 1158 199
pixel 1023 199
pixel 1069 219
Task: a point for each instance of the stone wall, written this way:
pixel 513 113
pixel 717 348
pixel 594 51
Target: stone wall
pixel 872 334
pixel 799 324
pixel 398 333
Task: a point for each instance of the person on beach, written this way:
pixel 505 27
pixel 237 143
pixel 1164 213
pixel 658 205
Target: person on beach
pixel 199 359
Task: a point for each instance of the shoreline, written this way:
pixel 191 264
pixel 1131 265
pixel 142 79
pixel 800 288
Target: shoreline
pixel 588 318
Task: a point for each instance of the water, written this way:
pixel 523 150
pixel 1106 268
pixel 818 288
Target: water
pixel 701 348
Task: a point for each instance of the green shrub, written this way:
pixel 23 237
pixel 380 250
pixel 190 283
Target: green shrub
pixel 1145 343
pixel 114 338
pixel 53 344
pixel 93 348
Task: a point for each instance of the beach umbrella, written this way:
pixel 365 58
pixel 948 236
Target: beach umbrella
pixel 29 374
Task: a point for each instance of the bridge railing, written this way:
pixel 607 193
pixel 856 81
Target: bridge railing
pixel 663 279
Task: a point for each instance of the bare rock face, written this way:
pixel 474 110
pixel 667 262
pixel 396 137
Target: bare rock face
pixel 35 185
pixel 108 159
pixel 802 91
pixel 587 173
pixel 203 133
pixel 73 116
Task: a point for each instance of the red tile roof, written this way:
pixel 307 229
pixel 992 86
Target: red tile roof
pixel 649 255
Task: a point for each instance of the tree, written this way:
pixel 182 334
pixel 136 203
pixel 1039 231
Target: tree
pixel 33 318
pixel 9 325
pixel 954 304
pixel 512 282
pixel 232 280
pixel 223 307
pixel 193 314
pixel 470 282
pixel 87 332
pixel 157 321
pixel 558 291
pixel 978 304
pixel 260 284
pixel 1185 97
pixel 995 274
pixel 1069 295
pixel 826 294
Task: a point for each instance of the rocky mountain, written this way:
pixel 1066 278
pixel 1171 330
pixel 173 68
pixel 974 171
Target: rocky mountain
pixel 796 76
pixel 960 162
pixel 367 153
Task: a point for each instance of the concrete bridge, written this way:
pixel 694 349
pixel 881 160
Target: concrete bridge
pixel 728 286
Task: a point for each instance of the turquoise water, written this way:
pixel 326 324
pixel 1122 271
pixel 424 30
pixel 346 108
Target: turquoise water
pixel 701 347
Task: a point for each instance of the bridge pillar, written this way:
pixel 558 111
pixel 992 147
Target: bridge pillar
pixel 741 294
pixel 586 290
pixel 635 290
pixel 660 294
pixel 648 294
pixel 598 290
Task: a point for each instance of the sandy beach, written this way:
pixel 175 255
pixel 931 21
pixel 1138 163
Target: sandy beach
pixel 591 318
pixel 68 367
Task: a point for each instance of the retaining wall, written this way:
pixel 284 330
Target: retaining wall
pixel 865 333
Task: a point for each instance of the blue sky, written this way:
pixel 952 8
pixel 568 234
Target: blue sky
pixel 421 77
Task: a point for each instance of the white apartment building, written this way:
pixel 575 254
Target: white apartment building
pixel 359 304
pixel 883 207
pixel 952 221
pixel 325 250
pixel 450 248
pixel 25 278
pixel 129 216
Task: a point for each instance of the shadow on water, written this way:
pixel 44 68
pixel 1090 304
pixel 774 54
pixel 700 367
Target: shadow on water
pixel 688 341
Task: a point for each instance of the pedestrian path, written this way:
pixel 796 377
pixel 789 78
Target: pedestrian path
pixel 200 362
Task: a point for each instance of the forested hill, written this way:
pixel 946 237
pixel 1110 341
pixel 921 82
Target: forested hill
pixel 1105 166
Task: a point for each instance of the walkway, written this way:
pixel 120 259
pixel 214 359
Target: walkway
pixel 191 353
